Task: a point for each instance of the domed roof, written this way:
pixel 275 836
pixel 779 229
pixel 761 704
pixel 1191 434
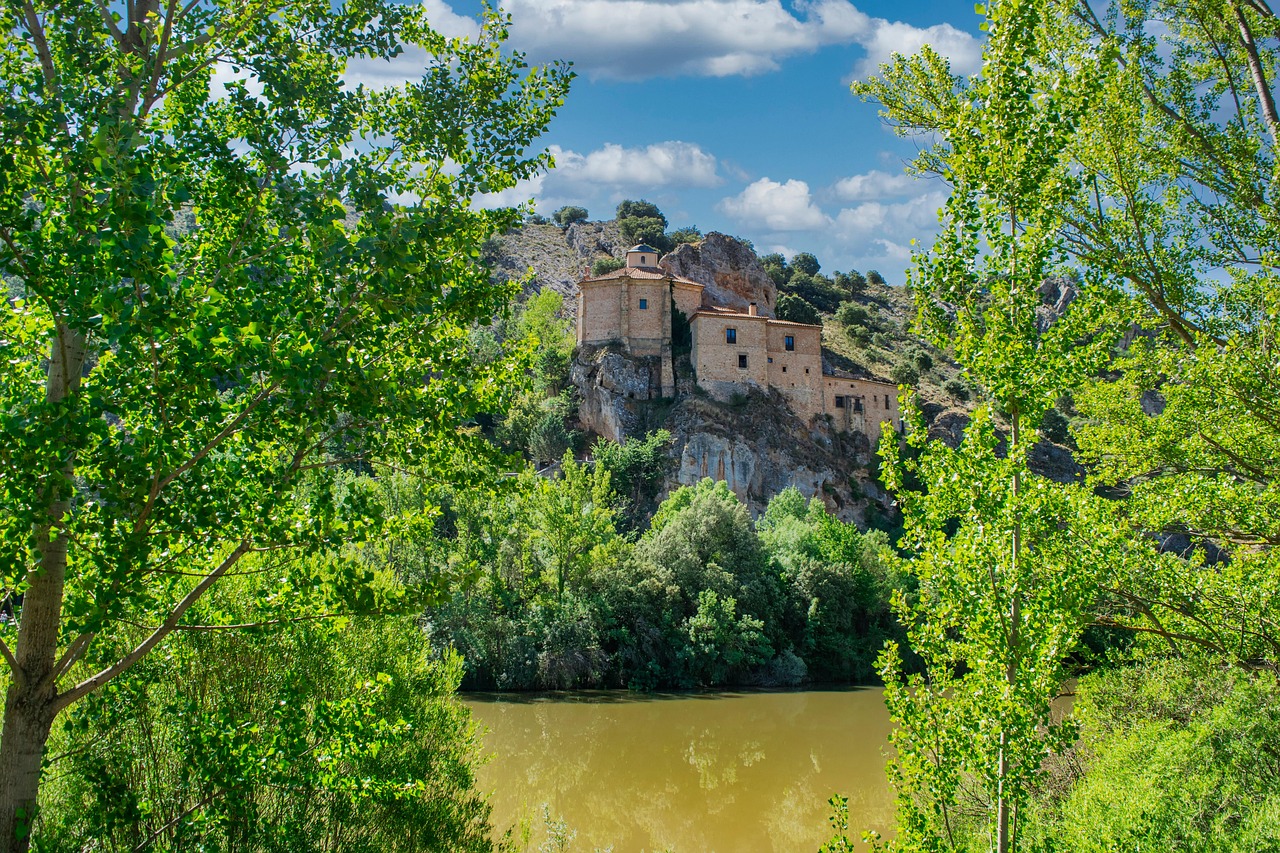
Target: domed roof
pixel 642 247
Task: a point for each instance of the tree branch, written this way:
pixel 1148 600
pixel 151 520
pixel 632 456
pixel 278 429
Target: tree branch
pixel 94 682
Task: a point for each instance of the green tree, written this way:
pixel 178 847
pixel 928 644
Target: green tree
pixel 874 277
pixel 636 468
pixel 573 521
pixel 1003 597
pixel 642 209
pixel 795 309
pixel 806 263
pixel 600 266
pixel 776 266
pixel 569 214
pixel 688 234
pixel 904 373
pixel 213 287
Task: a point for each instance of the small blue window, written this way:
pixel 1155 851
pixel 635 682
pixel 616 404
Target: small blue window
pixel 791 343
pixel 644 304
pixel 730 336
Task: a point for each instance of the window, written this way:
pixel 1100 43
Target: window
pixel 790 343
pixel 771 361
pixel 644 304
pixel 784 368
pixel 806 370
pixel 886 401
pixel 742 360
pixel 642 260
pixel 857 404
pixel 839 402
pixel 730 336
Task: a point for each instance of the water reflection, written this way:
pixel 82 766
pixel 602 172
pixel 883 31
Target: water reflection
pixel 688 772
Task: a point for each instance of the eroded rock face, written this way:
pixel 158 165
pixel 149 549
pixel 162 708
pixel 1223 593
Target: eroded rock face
pixel 728 269
pixel 610 383
pixel 559 258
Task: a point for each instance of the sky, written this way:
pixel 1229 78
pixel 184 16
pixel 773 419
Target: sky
pixel 736 116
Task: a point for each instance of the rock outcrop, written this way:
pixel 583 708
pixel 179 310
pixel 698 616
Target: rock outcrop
pixel 729 270
pixel 613 388
pixel 558 257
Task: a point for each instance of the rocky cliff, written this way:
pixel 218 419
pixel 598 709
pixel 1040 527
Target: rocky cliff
pixel 729 270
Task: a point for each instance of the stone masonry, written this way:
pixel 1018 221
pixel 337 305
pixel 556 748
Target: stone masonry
pixel 732 351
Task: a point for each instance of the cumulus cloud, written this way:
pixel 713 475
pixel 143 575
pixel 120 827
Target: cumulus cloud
pixel 612 169
pixel 875 185
pixel 640 39
pixel 775 206
pixel 913 217
pixel 889 37
pixel 672 163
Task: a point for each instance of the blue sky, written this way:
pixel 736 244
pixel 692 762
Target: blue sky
pixel 736 116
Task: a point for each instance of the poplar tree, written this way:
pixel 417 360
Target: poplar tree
pixel 229 274
pixel 1006 560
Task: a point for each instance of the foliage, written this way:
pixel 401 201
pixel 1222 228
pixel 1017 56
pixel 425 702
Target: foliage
pixel 600 266
pixel 221 285
pixel 1172 755
pixel 806 263
pixel 776 266
pixel 688 234
pixel 291 737
pixel 702 598
pixel 852 281
pixel 904 373
pixel 796 310
pixel 817 290
pixel 569 214
pixel 956 390
pixel 874 277
pixel 636 469
pixel 642 222
pixel 1007 562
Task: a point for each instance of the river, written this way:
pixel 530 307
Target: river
pixel 689 773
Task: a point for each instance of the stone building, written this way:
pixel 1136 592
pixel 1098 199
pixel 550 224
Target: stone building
pixel 732 351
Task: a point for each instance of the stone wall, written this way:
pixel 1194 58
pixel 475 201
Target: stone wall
pixel 797 373
pixel 866 405
pixel 717 363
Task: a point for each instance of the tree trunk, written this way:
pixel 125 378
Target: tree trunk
pixel 29 705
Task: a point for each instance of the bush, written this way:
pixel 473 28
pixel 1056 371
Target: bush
pixel 600 266
pixel 277 739
pixel 688 234
pixel 567 215
pixel 921 359
pixel 904 373
pixel 806 263
pixel 957 390
pixel 1055 428
pixel 796 310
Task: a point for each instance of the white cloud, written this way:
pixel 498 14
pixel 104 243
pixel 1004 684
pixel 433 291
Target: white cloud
pixel 639 39
pixel 614 170
pixel 773 206
pixel 874 185
pixel 915 217
pixel 512 196
pixel 671 163
pixel 890 37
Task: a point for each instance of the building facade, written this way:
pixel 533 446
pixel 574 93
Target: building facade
pixel 732 351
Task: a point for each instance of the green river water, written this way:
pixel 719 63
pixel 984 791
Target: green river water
pixel 686 772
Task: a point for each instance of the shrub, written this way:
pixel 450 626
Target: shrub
pixel 600 266
pixel 904 373
pixel 797 310
pixel 567 215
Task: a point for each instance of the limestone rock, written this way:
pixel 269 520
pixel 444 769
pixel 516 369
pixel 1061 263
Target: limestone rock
pixel 558 258
pixel 611 384
pixel 729 270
